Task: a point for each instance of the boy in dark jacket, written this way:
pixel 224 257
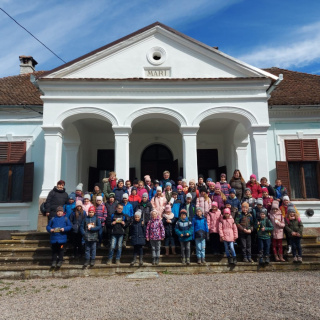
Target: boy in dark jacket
pixel 120 190
pixel 118 222
pixel 138 238
pixel 184 231
pixel 189 206
pixel 145 207
pixel 234 203
pixel 58 228
pixel 90 228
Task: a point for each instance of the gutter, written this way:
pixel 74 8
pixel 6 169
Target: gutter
pixel 275 85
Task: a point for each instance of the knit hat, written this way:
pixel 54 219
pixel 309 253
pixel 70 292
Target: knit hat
pixel 134 188
pixel 198 208
pixel 159 189
pixel 138 213
pixel 79 187
pixel 112 195
pixel 223 175
pixel 179 178
pixel 246 189
pixel 147 178
pixel 79 203
pixel 189 195
pixel 179 187
pixel 120 180
pixel 203 189
pixel 167 208
pixel 286 198
pixel 156 181
pixel 72 196
pixel 253 176
pixel 263 210
pixel 209 179
pixel 59 209
pixel 291 208
pixel 145 195
pixel 125 196
pixel 245 204
pixel 212 184
pixel 275 205
pixel 260 201
pixel 99 198
pixel 87 196
pixel 192 181
pixel 92 208
pixel 232 190
pixel 265 190
pixel 214 204
pixel 227 210
pixel 217 186
pixel 168 184
pixel 183 211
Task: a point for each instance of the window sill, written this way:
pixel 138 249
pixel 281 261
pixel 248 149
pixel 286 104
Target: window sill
pixel 306 200
pixel 15 204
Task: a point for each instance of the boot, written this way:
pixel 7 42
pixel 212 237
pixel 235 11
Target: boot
pixel 261 260
pixel 289 249
pixel 117 262
pixel 203 261
pixel 92 263
pixel 54 264
pixel 86 263
pixel 140 261
pixel 295 259
pixel 133 261
pixel 235 260
pixel 276 258
pixel 109 261
pixel 230 260
pixel 183 261
pixel 153 261
pixel 188 261
pixel 157 261
pixel 59 264
pixel 173 250
pixel 267 259
pixel 281 258
pixel 300 259
pixel 199 261
pixel 167 251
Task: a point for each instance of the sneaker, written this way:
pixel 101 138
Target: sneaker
pixel 59 264
pixel 300 259
pixel 295 259
pixel 203 261
pixel 54 264
pixel 261 260
pixel 183 261
pixel 245 259
pixel 86 263
pixel 250 260
pixel 235 260
pixel 289 249
pixel 267 260
pixel 230 260
pixel 199 261
pixel 109 261
pixel 92 263
pixel 153 261
pixel 188 262
pixel 157 261
pixel 117 262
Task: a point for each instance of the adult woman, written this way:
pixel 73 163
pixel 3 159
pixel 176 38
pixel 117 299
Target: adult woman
pixel 238 183
pixel 57 197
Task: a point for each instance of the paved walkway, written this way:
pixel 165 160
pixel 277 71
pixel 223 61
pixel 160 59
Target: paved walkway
pixel 291 295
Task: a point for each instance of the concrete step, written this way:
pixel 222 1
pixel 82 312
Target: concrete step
pixel 67 271
pixel 34 235
pixel 24 243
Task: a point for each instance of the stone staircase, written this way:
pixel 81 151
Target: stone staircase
pixel 28 255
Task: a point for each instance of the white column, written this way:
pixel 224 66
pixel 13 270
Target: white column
pixel 122 161
pixel 259 151
pixel 242 159
pixel 189 147
pixel 72 165
pixel 52 158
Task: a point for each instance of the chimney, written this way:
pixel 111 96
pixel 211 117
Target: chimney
pixel 27 64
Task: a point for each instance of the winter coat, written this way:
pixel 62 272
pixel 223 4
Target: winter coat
pixel 270 190
pixel 195 195
pixel 267 202
pixel 155 230
pixel 92 234
pixel 255 188
pixel 87 206
pixel 280 192
pixel 235 203
pixel 182 228
pixel 191 212
pixel 141 191
pixel 164 181
pixel 228 230
pixel 55 199
pixel 68 208
pixel 119 192
pixel 59 222
pixel 128 209
pixel 266 234
pixel 217 198
pixel 203 204
pixel 182 197
pixel 213 219
pixel 250 200
pixel 76 222
pixel 107 188
pixel 176 208
pixel 138 233
pixel 244 222
pixel 118 228
pixel 200 228
pixel 158 204
pixel 134 200
pixel 169 226
pixel 146 208
pixel 294 226
pixel 277 232
pixel 225 187
pixel 152 193
pixel 168 195
pixel 111 208
pixel 239 186
pixel 94 196
pixel 284 210
pixel 102 213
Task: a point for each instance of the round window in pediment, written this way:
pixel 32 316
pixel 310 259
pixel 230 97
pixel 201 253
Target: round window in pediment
pixel 156 55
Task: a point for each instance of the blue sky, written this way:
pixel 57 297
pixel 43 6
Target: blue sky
pixel 264 33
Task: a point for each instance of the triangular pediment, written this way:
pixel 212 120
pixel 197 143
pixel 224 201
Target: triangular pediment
pixel 156 51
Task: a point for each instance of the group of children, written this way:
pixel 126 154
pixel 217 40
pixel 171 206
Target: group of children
pixel 181 215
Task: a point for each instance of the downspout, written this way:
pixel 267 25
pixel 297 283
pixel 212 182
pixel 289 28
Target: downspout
pixel 274 86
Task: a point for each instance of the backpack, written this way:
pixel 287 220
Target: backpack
pixel 43 208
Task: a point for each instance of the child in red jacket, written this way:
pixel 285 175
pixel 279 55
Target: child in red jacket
pixel 254 186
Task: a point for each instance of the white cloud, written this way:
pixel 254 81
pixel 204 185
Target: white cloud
pixel 298 49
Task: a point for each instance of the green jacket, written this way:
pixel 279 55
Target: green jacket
pixel 294 226
pixel 266 223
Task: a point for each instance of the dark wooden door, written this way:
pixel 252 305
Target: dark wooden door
pixel 93 177
pixel 207 160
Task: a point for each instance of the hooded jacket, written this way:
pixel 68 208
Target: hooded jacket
pixel 169 226
pixel 228 229
pixel 155 230
pixel 55 199
pixel 213 219
pixel 200 227
pixel 158 204
pixel 184 227
pixel 59 222
pixel 92 234
pixel 137 233
pixel 278 223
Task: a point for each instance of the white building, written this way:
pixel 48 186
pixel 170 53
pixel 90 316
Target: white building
pixel 154 100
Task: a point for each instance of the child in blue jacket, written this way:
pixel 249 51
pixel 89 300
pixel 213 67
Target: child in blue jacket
pixel 58 228
pixel 200 235
pixel 69 207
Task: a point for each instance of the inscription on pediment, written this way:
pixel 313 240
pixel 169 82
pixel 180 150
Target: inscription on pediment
pixel 157 72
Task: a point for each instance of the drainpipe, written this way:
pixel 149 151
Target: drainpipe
pixel 274 86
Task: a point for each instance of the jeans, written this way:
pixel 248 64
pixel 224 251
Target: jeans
pixel 155 246
pixel 116 239
pixel 277 245
pixel 245 240
pixel 57 251
pixel 200 248
pixel 229 245
pixel 264 246
pixel 296 245
pixel 169 241
pixel 185 249
pixel 91 249
pixel 138 250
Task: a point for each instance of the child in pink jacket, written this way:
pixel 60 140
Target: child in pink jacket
pixel 229 233
pixel 204 201
pixel 213 219
pixel 278 223
pixel 159 202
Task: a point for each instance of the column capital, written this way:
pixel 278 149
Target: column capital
pixel 53 130
pixel 188 130
pixel 258 128
pixel 122 130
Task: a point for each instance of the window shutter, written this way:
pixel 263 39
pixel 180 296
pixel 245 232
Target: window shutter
pixel 294 150
pixel 13 152
pixel 28 182
pixel 318 177
pixel 310 150
pixel 4 148
pixel 283 174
